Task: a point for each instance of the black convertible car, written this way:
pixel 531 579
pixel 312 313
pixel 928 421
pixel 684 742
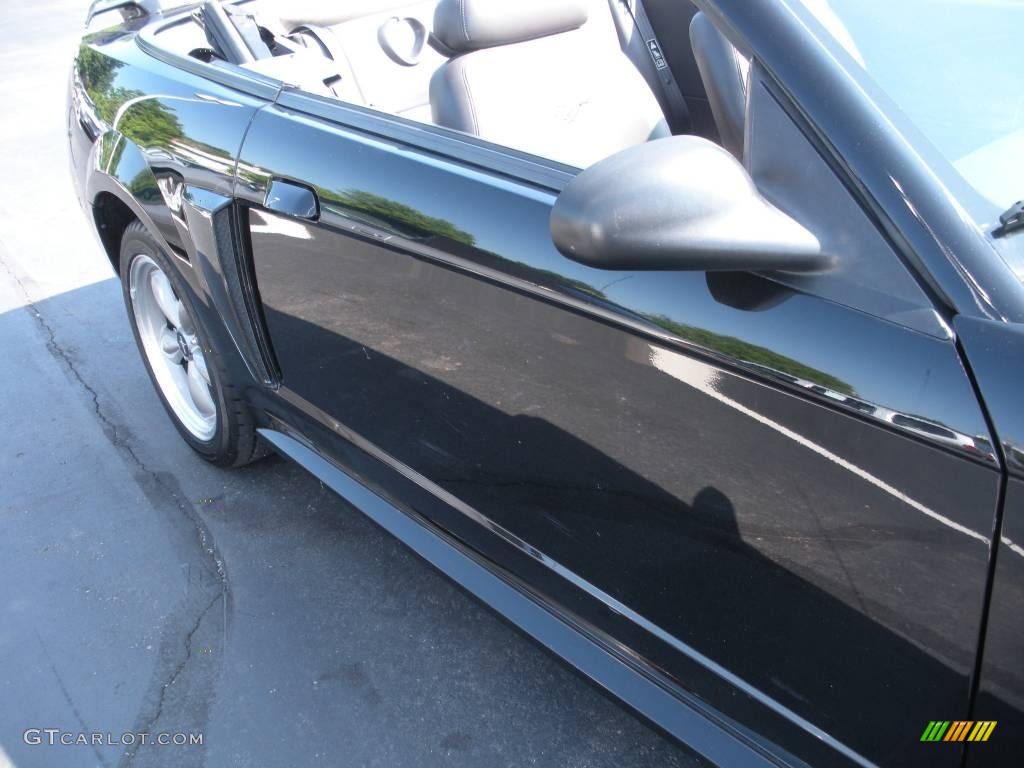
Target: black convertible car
pixel 686 336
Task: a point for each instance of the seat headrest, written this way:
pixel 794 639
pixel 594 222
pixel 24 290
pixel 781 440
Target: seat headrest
pixel 469 25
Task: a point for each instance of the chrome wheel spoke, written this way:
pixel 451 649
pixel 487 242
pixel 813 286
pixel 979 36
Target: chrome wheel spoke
pixel 169 346
pixel 165 298
pixel 199 362
pixel 200 391
pixel 172 348
pixel 187 327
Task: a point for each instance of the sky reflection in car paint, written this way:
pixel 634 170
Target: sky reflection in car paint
pixel 705 380
pixel 650 295
pixel 658 296
pixel 326 311
pixel 617 294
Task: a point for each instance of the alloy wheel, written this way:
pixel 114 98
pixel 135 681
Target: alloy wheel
pixel 171 345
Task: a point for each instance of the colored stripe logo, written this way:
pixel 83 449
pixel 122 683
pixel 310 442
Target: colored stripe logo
pixel 958 730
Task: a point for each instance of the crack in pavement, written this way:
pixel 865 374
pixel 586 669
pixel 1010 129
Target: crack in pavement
pixel 109 426
pixel 67 697
pixel 62 356
pixel 208 556
pixel 153 719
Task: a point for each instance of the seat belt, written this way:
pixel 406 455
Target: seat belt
pixel 326 39
pixel 679 112
pixel 247 27
pixel 329 42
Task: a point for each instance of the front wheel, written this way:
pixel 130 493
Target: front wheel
pixel 187 372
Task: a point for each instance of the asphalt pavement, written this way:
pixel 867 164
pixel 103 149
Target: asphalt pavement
pixel 144 591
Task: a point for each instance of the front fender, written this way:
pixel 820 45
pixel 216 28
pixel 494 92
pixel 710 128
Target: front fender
pixel 187 221
pixel 117 167
pixel 163 141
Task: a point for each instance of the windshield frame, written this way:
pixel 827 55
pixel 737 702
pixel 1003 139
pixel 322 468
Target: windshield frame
pixel 915 195
pixel 982 212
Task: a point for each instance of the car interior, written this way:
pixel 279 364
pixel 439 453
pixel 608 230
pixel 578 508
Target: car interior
pixel 573 81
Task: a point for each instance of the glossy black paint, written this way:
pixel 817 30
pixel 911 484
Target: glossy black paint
pixel 163 144
pixel 1001 682
pixel 578 411
pixel 559 629
pixel 921 214
pixel 770 505
pixel 996 352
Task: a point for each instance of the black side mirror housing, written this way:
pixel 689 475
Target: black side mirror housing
pixel 680 203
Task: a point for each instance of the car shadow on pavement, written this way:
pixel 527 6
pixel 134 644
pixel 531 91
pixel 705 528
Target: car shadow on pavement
pixel 150 591
pixel 682 563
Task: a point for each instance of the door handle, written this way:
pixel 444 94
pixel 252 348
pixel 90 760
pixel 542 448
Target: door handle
pixel 292 199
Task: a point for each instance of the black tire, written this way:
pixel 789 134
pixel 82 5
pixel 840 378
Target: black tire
pixel 234 442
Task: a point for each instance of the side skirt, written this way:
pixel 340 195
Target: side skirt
pixel 558 631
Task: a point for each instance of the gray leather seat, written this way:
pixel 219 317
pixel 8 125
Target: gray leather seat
pixel 726 74
pixel 378 48
pixel 526 75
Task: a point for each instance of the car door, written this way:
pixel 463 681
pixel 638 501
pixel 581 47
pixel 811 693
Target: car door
pixel 781 489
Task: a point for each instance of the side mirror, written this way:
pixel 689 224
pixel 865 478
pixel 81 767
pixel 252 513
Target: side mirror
pixel 678 203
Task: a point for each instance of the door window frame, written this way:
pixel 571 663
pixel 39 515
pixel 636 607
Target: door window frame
pixel 515 165
pixel 432 139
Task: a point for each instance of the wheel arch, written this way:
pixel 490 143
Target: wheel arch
pixel 111 216
pixel 120 188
